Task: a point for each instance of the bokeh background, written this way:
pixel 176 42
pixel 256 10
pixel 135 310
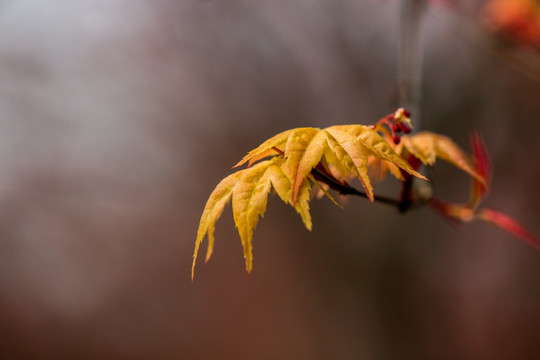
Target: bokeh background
pixel 118 118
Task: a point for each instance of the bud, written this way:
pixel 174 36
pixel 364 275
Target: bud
pixel 405 128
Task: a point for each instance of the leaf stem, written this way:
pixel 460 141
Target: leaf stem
pixel 346 189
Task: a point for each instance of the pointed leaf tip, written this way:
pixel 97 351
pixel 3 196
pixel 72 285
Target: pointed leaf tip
pixel 265 149
pixel 212 212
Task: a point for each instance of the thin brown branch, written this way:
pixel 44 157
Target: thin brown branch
pixel 345 189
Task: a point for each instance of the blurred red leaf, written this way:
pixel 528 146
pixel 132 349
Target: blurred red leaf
pixel 518 20
pixel 505 222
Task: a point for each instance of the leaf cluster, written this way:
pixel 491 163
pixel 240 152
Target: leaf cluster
pixel 292 161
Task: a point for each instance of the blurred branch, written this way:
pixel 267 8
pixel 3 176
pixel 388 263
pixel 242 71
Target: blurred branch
pixel 410 58
pixel 410 76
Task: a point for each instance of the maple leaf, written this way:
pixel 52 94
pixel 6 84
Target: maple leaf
pixel 377 147
pixel 427 147
pixel 249 189
pixel 346 146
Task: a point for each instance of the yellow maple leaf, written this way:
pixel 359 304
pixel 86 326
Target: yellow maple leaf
pixel 304 148
pixel 249 190
pixel 377 147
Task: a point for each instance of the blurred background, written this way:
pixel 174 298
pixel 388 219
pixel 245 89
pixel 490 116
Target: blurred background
pixel 118 118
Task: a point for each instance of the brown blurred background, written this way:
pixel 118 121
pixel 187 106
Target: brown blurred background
pixel 117 119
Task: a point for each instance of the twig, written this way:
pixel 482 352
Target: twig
pixel 410 77
pixel 346 189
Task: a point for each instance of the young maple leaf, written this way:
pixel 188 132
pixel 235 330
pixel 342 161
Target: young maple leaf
pixel 427 147
pixel 249 190
pixel 350 145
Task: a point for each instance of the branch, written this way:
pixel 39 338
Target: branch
pixel 410 76
pixel 320 174
pixel 410 58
